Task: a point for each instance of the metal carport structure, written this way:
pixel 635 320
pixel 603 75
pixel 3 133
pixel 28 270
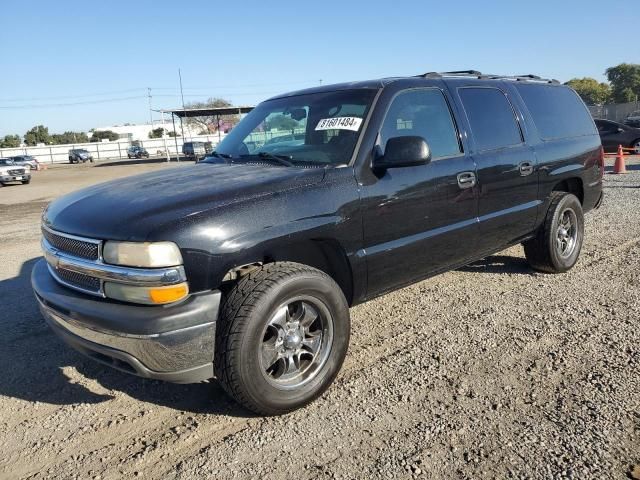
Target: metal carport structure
pixel 197 112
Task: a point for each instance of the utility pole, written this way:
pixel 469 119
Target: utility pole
pixel 183 109
pixel 150 113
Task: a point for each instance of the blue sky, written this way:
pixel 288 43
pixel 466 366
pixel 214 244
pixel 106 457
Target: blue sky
pixel 61 52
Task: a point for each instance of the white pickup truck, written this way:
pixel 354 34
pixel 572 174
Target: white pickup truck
pixel 10 172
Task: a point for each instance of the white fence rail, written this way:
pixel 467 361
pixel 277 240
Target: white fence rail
pixel 106 150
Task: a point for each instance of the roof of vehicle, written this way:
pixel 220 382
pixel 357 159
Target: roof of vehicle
pixel 382 82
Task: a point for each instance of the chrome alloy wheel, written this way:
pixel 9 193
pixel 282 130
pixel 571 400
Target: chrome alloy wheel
pixel 567 233
pixel 296 342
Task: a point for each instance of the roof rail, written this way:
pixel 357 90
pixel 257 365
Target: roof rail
pixel 480 75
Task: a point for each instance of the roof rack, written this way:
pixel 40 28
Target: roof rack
pixel 483 76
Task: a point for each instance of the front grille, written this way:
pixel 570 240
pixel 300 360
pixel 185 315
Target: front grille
pixel 72 246
pixel 79 280
pixel 16 172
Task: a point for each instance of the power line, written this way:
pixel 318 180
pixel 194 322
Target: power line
pixel 61 97
pixel 90 102
pixel 143 89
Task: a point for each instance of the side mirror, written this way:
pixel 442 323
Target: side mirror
pixel 403 152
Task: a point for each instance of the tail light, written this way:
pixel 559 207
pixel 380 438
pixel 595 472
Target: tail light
pixel 601 161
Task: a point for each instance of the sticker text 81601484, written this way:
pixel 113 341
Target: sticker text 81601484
pixel 339 123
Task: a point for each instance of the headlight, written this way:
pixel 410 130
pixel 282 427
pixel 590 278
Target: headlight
pixel 147 255
pixel 146 295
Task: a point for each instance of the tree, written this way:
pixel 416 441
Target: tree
pixel 172 134
pixel 99 135
pixel 10 141
pixel 625 82
pixel 156 132
pixel 38 134
pixel 590 90
pixel 282 122
pixel 209 123
pixel 68 137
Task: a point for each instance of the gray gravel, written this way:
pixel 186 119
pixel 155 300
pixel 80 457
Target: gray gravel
pixel 491 371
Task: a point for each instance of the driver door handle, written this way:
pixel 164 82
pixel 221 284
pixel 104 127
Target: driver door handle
pixel 466 180
pixel 526 168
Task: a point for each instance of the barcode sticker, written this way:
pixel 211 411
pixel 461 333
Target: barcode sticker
pixel 339 123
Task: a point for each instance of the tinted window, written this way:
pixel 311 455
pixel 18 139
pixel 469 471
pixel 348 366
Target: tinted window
pixel 422 113
pixel 557 111
pixel 493 123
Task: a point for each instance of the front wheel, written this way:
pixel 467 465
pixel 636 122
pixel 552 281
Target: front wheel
pixel 556 247
pixel 282 336
pixel 636 146
pixel 26 182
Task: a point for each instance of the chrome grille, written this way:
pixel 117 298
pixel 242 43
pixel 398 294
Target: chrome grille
pixel 72 246
pixel 16 172
pixel 79 280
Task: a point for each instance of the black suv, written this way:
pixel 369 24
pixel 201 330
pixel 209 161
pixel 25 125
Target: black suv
pixel 243 267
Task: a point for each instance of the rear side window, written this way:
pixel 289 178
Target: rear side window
pixel 423 113
pixel 557 112
pixel 491 117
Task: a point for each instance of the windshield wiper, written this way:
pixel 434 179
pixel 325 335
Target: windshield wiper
pixel 281 159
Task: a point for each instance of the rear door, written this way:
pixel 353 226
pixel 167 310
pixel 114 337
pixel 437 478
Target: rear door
pixel 506 166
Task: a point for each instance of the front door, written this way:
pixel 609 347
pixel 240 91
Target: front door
pixel 420 219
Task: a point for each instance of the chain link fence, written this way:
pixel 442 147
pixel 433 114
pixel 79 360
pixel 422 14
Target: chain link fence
pixel 615 112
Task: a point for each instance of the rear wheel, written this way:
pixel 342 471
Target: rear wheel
pixel 636 146
pixel 282 336
pixel 556 247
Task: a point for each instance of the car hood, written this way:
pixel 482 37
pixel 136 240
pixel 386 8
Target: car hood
pixel 132 208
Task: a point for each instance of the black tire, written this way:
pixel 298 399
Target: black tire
pixel 26 182
pixel 552 251
pixel 246 317
pixel 71 160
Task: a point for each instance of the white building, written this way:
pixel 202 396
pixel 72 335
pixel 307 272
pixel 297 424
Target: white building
pixel 132 132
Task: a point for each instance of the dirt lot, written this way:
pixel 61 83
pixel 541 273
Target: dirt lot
pixel 491 371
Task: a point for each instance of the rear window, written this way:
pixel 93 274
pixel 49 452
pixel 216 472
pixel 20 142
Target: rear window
pixel 557 112
pixel 491 117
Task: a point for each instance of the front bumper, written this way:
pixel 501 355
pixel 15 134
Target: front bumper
pixel 15 178
pixel 173 343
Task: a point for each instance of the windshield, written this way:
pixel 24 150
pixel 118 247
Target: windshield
pixel 6 161
pixel 318 128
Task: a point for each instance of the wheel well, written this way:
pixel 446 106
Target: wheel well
pixel 571 185
pixel 327 256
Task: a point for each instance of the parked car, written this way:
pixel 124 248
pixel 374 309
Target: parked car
pixel 633 119
pixel 10 172
pixel 196 150
pixel 613 134
pixel 26 161
pixel 249 277
pixel 137 152
pixel 78 155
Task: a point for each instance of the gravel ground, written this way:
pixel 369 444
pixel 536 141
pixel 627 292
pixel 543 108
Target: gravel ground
pixel 490 371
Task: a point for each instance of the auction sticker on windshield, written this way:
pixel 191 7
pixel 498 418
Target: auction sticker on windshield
pixel 339 123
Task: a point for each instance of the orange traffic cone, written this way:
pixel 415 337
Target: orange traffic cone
pixel 619 166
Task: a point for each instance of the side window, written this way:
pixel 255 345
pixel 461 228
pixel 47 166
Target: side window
pixel 557 111
pixel 424 113
pixel 491 117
